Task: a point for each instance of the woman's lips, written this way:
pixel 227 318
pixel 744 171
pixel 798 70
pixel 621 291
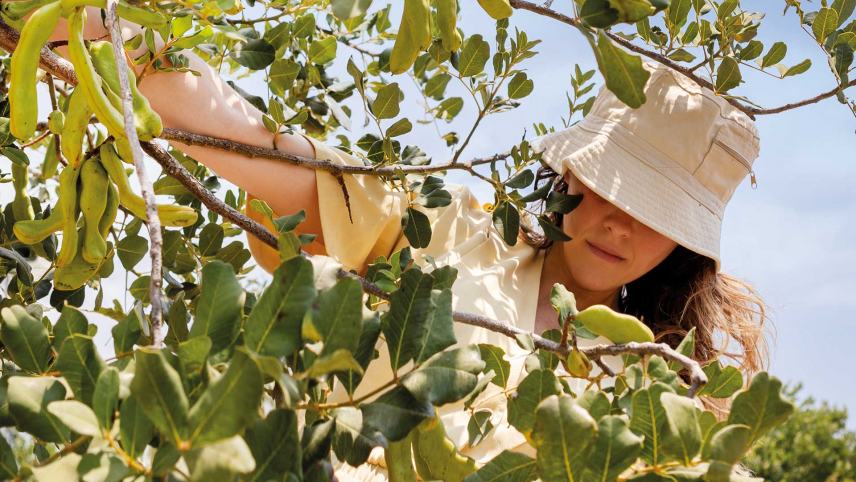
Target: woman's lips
pixel 603 254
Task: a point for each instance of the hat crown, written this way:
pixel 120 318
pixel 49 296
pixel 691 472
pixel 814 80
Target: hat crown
pixel 686 124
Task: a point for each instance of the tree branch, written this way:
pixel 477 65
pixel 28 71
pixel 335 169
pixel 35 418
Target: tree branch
pixel 61 68
pixel 146 187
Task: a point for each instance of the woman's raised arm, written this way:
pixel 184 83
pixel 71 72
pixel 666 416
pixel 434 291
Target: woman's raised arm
pixel 205 104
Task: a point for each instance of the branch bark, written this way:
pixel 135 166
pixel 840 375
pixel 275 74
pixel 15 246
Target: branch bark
pixel 148 190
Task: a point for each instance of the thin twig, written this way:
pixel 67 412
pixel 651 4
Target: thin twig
pixel 148 191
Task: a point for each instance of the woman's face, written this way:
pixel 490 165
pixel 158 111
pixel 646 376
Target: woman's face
pixel 598 228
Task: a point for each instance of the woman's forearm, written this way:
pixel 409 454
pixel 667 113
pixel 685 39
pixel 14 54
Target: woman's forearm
pixel 205 104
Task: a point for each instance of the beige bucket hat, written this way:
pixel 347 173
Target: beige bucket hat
pixel 672 164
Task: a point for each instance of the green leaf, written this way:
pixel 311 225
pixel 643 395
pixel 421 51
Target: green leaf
pixel 81 365
pixel 211 239
pixel 338 318
pixel 323 50
pixel 404 323
pixel 436 85
pixel 304 26
pixel 126 333
pixel 537 386
pixel 520 86
pixel 386 104
pixel 131 250
pixel 508 466
pixel 218 310
pixel 255 54
pixel 157 388
pixel 400 127
pixel 721 382
pixel 686 348
pixel 345 9
pixel 623 73
pixel 632 11
pixel 564 435
pixel 365 351
pixel 8 464
pixel 760 406
pixel 438 332
pixel 76 416
pixel 338 361
pixel 479 426
pixel 598 13
pixel 506 219
pixel 396 413
pixel 229 404
pixel 728 75
pixel 521 180
pixel 25 339
pixel 493 357
pixel 615 448
pixel 222 460
pixel 676 15
pixel 563 301
pixel 474 55
pixel 844 9
pixel 275 445
pixel 273 327
pixel 416 227
pixel 282 75
pixel 682 436
pixel 824 23
pixel 798 68
pixel 353 440
pixel 751 50
pixel 28 401
pixel 135 428
pixel 446 377
pixel 595 402
pixel 106 396
pixel 726 449
pixel 648 418
pixel 774 55
pixel 70 321
pixel 64 468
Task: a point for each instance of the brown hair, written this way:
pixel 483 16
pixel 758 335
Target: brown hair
pixel 685 291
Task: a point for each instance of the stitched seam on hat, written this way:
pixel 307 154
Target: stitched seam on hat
pixel 633 139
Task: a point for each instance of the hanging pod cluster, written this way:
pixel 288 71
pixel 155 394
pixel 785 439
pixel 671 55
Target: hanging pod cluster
pixel 92 187
pixel 414 31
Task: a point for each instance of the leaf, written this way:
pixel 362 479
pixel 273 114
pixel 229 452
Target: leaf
pixel 615 448
pixel 521 180
pixel 774 55
pixel 126 333
pixel 22 268
pixel 446 377
pixel 506 219
pixel 417 228
pixel 520 86
pixel 322 51
pixel 157 388
pixel 106 396
pixel 211 239
pixel 760 406
pixel 64 468
pixel 25 339
pixel 751 50
pixel 218 310
pixel 682 436
pixel 386 104
pixel 648 418
pixel 537 386
pixel 479 426
pixel 438 332
pixel 598 13
pixel 221 461
pixel 564 435
pixel 255 54
pixel 338 361
pixel 229 404
pixel 404 323
pixel 81 365
pixel 345 9
pixel 721 382
pixel 686 348
pixel 282 74
pixel 8 464
pixel 400 127
pixel 726 449
pixel 798 68
pixel 70 321
pixel 623 73
pixel 676 15
pixel 28 400
pixel 824 23
pixel 135 428
pixel 563 301
pixel 273 327
pixel 76 416
pixel 508 466
pixel 396 413
pixel 132 249
pixel 353 440
pixel 339 317
pixel 474 55
pixel 727 75
pixel 275 445
pixel 493 357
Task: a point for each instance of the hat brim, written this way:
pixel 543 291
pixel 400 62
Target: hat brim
pixel 633 184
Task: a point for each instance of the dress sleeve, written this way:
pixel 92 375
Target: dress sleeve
pixel 372 225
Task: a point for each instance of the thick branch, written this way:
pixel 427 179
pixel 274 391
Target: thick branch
pixel 148 190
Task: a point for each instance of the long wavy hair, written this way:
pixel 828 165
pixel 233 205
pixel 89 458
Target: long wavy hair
pixel 682 292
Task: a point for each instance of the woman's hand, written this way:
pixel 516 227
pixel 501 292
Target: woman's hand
pixel 205 104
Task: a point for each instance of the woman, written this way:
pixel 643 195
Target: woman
pixel 645 238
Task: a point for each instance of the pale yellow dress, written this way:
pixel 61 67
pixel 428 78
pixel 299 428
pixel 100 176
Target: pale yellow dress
pixel 494 280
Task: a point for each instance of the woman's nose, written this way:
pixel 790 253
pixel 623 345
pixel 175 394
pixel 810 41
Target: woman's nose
pixel 616 221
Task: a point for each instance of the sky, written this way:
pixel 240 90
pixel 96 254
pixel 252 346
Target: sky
pixel 791 238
